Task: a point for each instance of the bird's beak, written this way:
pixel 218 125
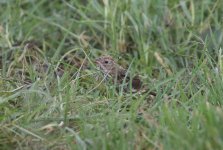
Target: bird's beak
pixel 97 61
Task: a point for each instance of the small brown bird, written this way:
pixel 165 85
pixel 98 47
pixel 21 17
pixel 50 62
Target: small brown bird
pixel 110 68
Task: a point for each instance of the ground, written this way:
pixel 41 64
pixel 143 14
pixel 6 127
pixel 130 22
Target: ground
pixel 52 95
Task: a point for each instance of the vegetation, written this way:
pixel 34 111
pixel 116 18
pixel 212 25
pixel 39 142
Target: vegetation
pixel 52 95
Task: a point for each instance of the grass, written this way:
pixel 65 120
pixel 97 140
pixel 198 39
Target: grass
pixel 176 47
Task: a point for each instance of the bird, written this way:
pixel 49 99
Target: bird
pixel 117 73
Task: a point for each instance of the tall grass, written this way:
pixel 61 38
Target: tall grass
pixel 175 46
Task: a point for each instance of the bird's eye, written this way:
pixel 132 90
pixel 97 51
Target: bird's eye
pixel 106 62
